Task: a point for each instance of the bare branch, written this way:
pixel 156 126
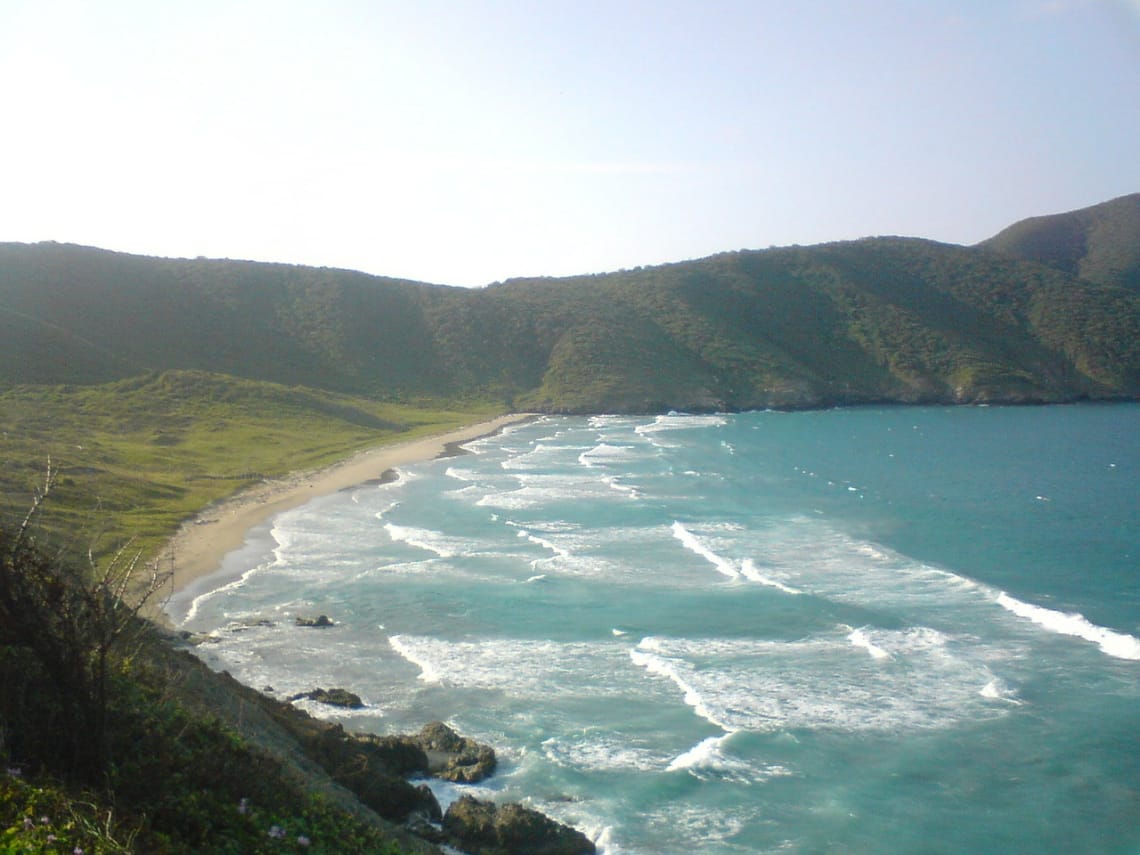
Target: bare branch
pixel 38 498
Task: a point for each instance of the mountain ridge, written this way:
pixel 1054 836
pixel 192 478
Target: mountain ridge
pixel 882 319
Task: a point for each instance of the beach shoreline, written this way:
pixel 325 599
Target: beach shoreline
pixel 201 543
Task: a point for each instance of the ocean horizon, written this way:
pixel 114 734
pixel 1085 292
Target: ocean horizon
pixel 874 629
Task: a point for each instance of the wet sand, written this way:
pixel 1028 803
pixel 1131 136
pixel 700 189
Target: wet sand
pixel 200 545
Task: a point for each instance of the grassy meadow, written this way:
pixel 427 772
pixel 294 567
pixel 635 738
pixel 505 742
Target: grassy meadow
pixel 136 457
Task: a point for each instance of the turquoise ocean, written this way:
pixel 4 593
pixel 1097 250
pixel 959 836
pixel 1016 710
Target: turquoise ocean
pixel 857 630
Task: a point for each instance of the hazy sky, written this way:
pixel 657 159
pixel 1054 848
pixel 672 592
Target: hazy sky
pixel 468 142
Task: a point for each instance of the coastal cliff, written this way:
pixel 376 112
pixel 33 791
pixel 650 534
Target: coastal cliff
pixel 369 775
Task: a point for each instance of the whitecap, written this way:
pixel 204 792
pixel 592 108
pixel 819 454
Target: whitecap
pixel 710 759
pixel 520 668
pixel 391 506
pixel 1120 645
pixel 558 551
pixel 601 752
pixel 604 453
pixel 459 474
pixel 825 682
pixel 859 638
pixel 647 655
pixel 540 454
pixel 998 690
pixel 406 648
pixel 421 538
pixel 681 421
pixel 749 571
pixel 538 490
pixel 615 483
pixel 691 542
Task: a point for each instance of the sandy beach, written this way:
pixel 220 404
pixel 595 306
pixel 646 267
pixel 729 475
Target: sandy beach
pixel 201 543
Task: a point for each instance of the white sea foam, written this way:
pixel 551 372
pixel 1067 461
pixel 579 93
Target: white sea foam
pixel 748 571
pixel 221 590
pixel 656 431
pixel 460 474
pixel 559 551
pixel 521 668
pixel 824 682
pixel 998 690
pixel 388 508
pixel 1120 645
pixel 410 650
pixel 397 568
pixel 604 841
pixel 541 490
pixel 615 483
pixel 427 539
pixel 858 638
pixel 610 421
pixel 541 454
pixel 704 753
pixel 648 655
pixel 811 556
pixel 710 759
pixel 691 542
pixel 696 827
pixel 601 751
pixel 546 526
pixel 679 421
pixel 605 454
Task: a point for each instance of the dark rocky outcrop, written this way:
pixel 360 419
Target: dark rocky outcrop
pixel 320 621
pixel 368 772
pixel 332 697
pixel 483 828
pixel 453 757
pixel 436 751
pixel 369 767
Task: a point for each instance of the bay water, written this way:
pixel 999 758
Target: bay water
pixel 860 630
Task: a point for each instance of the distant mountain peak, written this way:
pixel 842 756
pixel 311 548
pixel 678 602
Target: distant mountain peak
pixel 1100 243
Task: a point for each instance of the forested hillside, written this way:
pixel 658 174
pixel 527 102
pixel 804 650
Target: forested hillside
pixel 1048 310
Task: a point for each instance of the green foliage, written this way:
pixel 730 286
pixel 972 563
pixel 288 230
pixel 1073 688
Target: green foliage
pixel 164 780
pixel 181 785
pixel 42 817
pixel 58 627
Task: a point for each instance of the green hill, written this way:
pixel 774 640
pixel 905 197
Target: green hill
pixel 875 320
pixel 1100 243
